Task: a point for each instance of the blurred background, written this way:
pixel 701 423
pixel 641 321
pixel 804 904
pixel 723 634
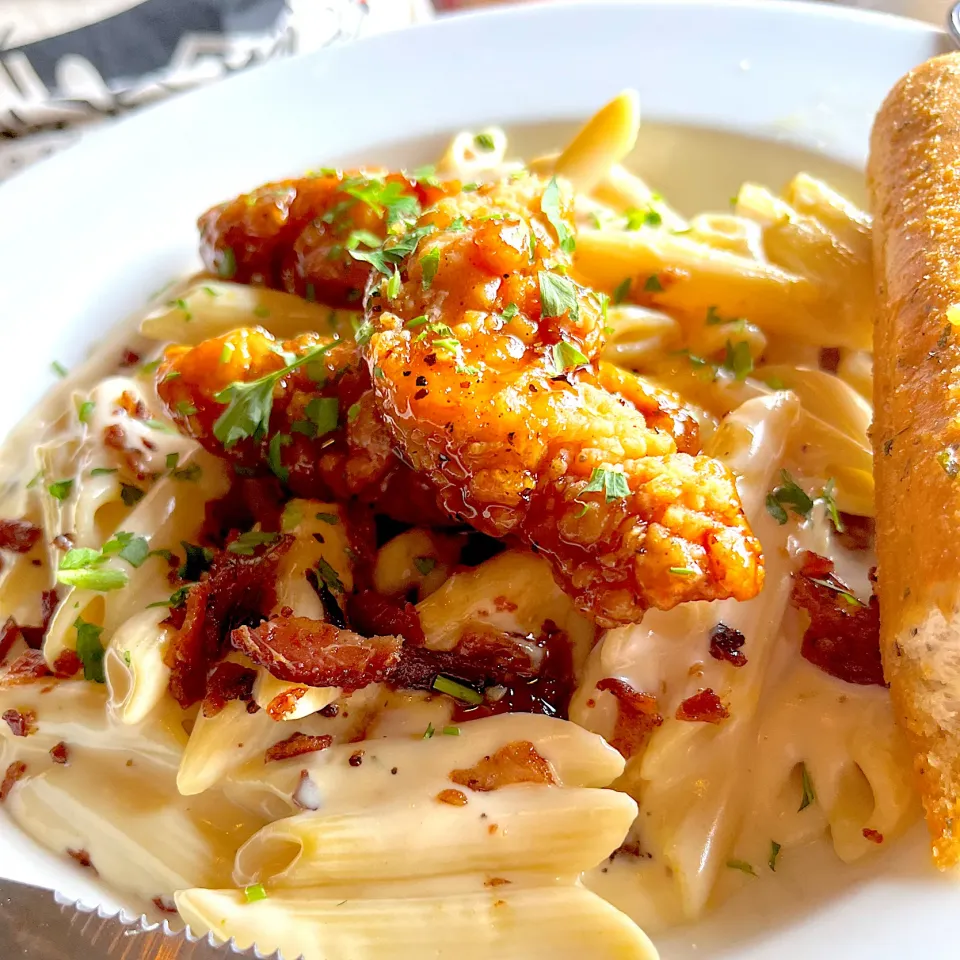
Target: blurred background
pixel 69 65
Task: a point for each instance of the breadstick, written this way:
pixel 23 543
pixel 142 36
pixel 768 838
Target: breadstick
pixel 914 178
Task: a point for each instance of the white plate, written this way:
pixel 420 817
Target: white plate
pixel 85 236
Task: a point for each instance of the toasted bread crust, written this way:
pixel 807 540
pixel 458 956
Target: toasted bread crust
pixel 914 179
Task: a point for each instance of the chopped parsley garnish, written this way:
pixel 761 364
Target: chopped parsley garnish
pixel 177 599
pixel 483 141
pixel 90 650
pixel 159 426
pixel 613 484
pixel 363 333
pixel 384 258
pixel 330 518
pixel 742 866
pixel 653 284
pixel 255 892
pixel 60 489
pixel 362 236
pixel 185 408
pixel 424 564
pixel 103 471
pixel 451 731
pixel 788 494
pixel 383 198
pixel 245 545
pixel 130 495
pixel 85 411
pixel 647 217
pixel 429 732
pixel 713 318
pixel 558 295
pixel 191 473
pixel 775 383
pixel 622 290
pixel 827 499
pixel 457 690
pixel 353 411
pixel 393 285
pixel 291 517
pixel 277 443
pixel 197 560
pixel 181 305
pixel 226 264
pixel 416 322
pixel 249 405
pixel 310 293
pixel 550 205
pixel 947 458
pixel 329 576
pixel 172 460
pixel 426 175
pixel 429 263
pixel 457 225
pixel 510 311
pixel 774 853
pixel 683 571
pixel 808 796
pixel 738 360
pixel 845 594
pixel 323 415
pixel 210 292
pixel 58 368
pixel 82 567
pixel 566 356
pixel 128 546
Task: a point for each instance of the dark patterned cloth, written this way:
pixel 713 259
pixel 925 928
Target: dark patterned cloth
pixel 126 53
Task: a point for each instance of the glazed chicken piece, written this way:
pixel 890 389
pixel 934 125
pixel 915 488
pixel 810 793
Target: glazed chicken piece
pixel 296 235
pixel 483 353
pixel 322 435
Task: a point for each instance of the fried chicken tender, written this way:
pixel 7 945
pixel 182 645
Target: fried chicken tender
pixel 483 350
pixel 325 437
pixel 295 235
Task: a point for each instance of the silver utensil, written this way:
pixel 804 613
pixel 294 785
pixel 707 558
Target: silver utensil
pixel 36 924
pixel 953 23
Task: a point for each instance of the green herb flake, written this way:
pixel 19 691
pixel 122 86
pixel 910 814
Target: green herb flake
pixel 429 732
pixel 457 225
pixel 713 318
pixel 788 494
pixel 683 571
pixel 249 405
pixel 429 264
pixel 483 141
pixel 622 290
pixel 330 518
pixel 181 305
pixel 291 517
pixel 646 217
pixel 177 599
pixel 329 576
pixel 550 205
pixel 738 360
pixel 510 311
pixel 653 284
pixel 245 545
pixel 774 853
pixel 159 426
pixel 210 292
pixel 130 547
pixel 393 285
pixel 227 352
pixel 451 731
pixel 566 356
pixel 612 483
pixel 775 383
pixel 558 295
pixel 59 369
pixel 808 795
pixel 274 455
pixel 424 564
pixel 226 264
pixel 830 504
pixel 85 411
pixel 196 561
pixel 130 495
pixel 103 471
pixel 60 489
pixel 457 690
pixel 742 866
pixel 255 892
pixel 836 588
pixel 90 650
pixel 78 569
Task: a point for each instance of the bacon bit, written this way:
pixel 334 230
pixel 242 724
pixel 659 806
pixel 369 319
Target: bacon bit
pixel 21 722
pixel 68 664
pixel 858 532
pixel 493 828
pixel 163 905
pixel 229 681
pixel 874 836
pixel 129 358
pixel 374 615
pixel 63 541
pixel 725 644
pixel 60 754
pixel 637 716
pixel 455 798
pixel 504 606
pixel 29 667
pixel 704 706
pixel 330 711
pixel 299 650
pixel 829 359
pixel 356 759
pixel 82 857
pixel 843 638
pixel 284 703
pixel 20 536
pixel 235 589
pixel 9 634
pixel 296 745
pixel 33 636
pixel 496 882
pixel 15 772
pixel 517 762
